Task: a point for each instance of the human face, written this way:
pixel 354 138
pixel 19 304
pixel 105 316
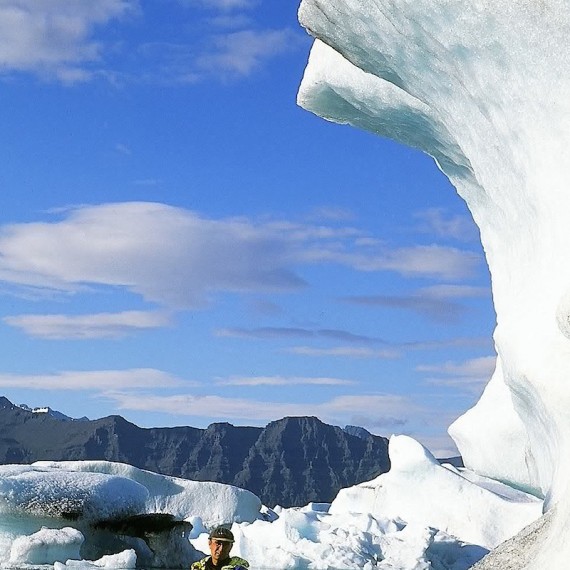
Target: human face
pixel 219 549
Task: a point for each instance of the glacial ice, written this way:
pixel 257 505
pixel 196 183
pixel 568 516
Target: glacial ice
pixel 420 490
pixel 484 88
pixel 388 523
pixel 171 494
pixel 59 512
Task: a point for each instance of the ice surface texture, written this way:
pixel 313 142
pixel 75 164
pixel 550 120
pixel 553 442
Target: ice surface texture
pixel 100 514
pixel 483 87
pixel 57 512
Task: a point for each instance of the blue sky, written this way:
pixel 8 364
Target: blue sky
pixel 180 243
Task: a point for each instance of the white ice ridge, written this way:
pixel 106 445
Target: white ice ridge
pixel 213 503
pixel 484 88
pixel 61 512
pixel 419 490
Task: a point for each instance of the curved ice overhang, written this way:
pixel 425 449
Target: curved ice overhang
pixel 484 88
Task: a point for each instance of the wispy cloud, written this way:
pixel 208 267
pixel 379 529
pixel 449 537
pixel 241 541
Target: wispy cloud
pixel 265 333
pixel 436 221
pixel 295 332
pixel 437 303
pixel 123 149
pixel 378 412
pixel 362 346
pixel 55 39
pixel 282 381
pixel 177 258
pixel 470 375
pixel 428 260
pixel 98 380
pixel 390 411
pixel 65 41
pixel 242 52
pixel 357 352
pixel 83 327
pixel 435 261
pixel 221 4
pixel 446 291
pixel 333 214
pixel 482 342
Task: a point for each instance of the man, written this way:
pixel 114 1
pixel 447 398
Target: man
pixel 220 541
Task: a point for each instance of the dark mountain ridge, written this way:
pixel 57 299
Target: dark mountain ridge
pixel 290 462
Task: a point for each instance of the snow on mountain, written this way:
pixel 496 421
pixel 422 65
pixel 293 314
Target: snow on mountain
pixel 52 413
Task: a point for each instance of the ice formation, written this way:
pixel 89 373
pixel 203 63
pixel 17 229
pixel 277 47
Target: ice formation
pixel 213 503
pixel 421 516
pixel 484 88
pixel 419 490
pixel 61 512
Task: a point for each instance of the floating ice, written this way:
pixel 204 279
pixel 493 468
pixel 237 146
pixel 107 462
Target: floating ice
pixel 63 511
pixel 46 546
pixel 214 503
pixel 124 560
pixel 46 492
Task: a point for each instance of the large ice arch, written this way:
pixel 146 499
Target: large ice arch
pixel 483 87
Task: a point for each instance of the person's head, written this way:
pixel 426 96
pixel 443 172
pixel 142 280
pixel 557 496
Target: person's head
pixel 221 541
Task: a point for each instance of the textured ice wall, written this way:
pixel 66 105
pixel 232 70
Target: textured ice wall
pixel 483 87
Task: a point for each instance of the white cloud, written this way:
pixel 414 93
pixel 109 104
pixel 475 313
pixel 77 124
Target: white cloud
pixel 93 380
pixel 168 255
pixel 470 375
pixel 230 48
pixel 177 258
pixel 282 381
pixel 428 260
pixel 483 343
pixel 434 261
pixel 379 413
pixel 242 52
pixel 445 291
pixel 221 4
pixel 386 409
pixel 346 352
pixel 100 325
pixel 476 366
pixel 438 222
pixel 54 38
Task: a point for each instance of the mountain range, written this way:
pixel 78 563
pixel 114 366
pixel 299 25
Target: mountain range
pixel 290 462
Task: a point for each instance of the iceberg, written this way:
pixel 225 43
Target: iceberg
pixel 97 514
pixel 419 490
pixel 482 87
pixel 109 515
